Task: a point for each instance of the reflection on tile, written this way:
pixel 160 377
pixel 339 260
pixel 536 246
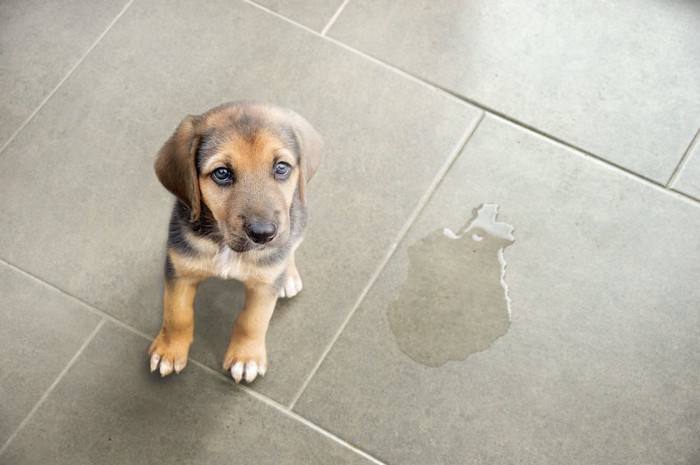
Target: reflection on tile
pixel 600 364
pixel 109 410
pixel 40 331
pixel 96 225
pixel 314 14
pixel 688 181
pixel 618 79
pixel 40 42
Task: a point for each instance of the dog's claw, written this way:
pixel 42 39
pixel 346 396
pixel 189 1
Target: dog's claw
pixel 165 368
pixel 179 366
pixel 154 362
pixel 237 372
pixel 246 371
pixel 251 371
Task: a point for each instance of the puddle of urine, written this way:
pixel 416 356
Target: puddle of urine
pixel 454 301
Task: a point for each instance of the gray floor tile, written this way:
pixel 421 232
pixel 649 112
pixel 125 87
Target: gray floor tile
pixel 40 42
pixel 93 217
pixel 618 79
pixel 314 14
pixel 40 331
pixel 109 410
pixel 601 362
pixel 688 181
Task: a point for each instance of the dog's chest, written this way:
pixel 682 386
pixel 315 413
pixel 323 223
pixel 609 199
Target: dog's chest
pixel 230 265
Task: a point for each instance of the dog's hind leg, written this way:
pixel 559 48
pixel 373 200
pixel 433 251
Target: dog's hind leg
pixel 292 284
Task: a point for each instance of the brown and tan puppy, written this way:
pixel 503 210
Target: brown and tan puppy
pixel 239 172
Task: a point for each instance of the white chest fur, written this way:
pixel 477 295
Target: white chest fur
pixel 231 265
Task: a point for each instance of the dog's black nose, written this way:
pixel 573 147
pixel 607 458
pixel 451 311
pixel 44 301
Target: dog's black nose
pixel 261 233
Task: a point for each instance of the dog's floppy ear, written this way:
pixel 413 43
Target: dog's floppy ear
pixel 310 151
pixel 175 165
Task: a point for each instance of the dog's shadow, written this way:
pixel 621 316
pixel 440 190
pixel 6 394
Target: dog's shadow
pixel 216 307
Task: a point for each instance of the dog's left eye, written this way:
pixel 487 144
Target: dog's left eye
pixel 282 170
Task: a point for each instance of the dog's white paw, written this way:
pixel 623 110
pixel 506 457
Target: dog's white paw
pixel 245 360
pixel 169 356
pixel 292 286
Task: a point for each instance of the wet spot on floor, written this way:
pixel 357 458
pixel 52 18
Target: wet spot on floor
pixel 454 301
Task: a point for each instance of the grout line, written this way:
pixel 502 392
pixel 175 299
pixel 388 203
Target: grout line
pixel 592 158
pixel 402 233
pixel 283 18
pixel 402 73
pixel 370 58
pixel 334 18
pixel 106 317
pixel 535 130
pixel 492 111
pixel 53 385
pixel 65 78
pixel 89 307
pixel 456 97
pixel 285 411
pixel 683 161
pixel 333 437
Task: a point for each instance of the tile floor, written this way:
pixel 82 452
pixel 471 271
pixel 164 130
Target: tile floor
pixel 579 119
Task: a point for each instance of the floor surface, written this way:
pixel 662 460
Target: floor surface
pixel 579 120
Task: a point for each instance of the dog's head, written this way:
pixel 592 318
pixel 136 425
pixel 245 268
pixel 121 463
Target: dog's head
pixel 246 163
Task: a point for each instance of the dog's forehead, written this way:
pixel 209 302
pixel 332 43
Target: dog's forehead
pixel 247 120
pixel 247 136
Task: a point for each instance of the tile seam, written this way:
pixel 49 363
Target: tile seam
pixel 594 159
pixel 423 201
pixel 105 317
pixel 456 97
pixel 334 18
pixel 88 307
pixel 552 138
pixel 522 125
pixel 285 411
pixel 684 196
pixel 370 58
pixel 64 79
pixel 53 385
pixel 683 161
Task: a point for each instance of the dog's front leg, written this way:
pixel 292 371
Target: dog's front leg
pixel 171 346
pixel 246 356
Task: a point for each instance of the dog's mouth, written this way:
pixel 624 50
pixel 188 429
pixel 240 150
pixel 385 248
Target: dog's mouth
pixel 242 244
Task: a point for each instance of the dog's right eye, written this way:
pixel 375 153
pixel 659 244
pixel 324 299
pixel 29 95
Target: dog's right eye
pixel 222 176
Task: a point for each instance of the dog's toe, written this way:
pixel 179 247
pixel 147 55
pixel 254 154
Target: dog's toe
pixel 251 371
pixel 247 372
pixel 292 286
pixel 155 358
pixel 165 368
pixel 237 372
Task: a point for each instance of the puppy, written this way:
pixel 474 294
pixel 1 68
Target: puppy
pixel 239 173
